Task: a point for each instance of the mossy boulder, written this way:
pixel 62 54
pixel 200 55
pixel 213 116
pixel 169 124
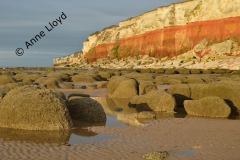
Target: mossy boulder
pixel 105 75
pixel 8 73
pixel 14 85
pixel 27 81
pixel 4 79
pixel 32 76
pixel 77 95
pixel 51 84
pixel 195 90
pixel 102 84
pixel 156 101
pixel 173 82
pixel 82 78
pixel 146 86
pixel 207 107
pixel 194 80
pixel 122 87
pixel 21 76
pixel 63 76
pixel 33 108
pixel 225 92
pixel 195 71
pixel 86 109
pixel 180 92
pixel 92 86
pixel 175 77
pixel 140 77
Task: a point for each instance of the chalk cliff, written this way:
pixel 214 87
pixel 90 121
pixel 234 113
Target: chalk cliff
pixel 166 32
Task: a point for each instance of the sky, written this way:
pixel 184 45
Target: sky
pixel 20 21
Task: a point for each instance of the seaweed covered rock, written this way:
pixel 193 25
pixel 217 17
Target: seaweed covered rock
pixel 27 81
pixel 77 95
pixel 122 87
pixel 21 76
pixel 146 86
pixel 32 76
pixel 91 86
pixel 67 86
pixel 82 78
pixel 180 78
pixel 157 155
pixel 180 92
pixel 51 84
pixel 105 75
pixel 4 79
pixel 156 101
pixel 207 107
pixel 14 85
pixel 225 92
pixel 86 109
pixel 102 84
pixel 62 76
pixel 33 108
pixel 194 80
pixel 2 94
pixel 8 73
pixel 174 82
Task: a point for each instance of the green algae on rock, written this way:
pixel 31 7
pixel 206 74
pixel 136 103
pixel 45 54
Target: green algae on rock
pixel 33 108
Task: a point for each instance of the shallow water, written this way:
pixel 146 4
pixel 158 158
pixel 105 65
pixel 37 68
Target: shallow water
pixel 127 116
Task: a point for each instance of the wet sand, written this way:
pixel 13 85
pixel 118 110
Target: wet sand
pixel 182 138
pixel 188 138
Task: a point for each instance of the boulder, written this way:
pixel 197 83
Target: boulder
pixel 20 76
pixel 86 109
pixel 122 87
pixel 156 101
pixel 2 94
pixel 174 82
pixel 180 92
pixel 207 107
pixel 33 108
pixel 102 84
pixel 175 77
pixel 27 81
pixel 77 95
pixel 67 85
pixel 63 76
pixel 4 79
pixel 8 73
pixel 14 85
pixel 51 84
pixel 32 76
pixel 146 86
pixel 195 90
pixel 225 92
pixel 104 75
pixel 82 78
pixel 194 80
pixel 91 86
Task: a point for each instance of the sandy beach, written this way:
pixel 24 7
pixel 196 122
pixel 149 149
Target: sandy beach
pixel 185 138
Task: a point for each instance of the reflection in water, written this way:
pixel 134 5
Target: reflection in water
pixel 81 128
pixel 80 132
pixel 130 112
pixel 127 115
pixel 57 137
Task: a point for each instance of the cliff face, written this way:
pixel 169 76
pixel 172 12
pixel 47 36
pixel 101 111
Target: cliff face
pixel 166 31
